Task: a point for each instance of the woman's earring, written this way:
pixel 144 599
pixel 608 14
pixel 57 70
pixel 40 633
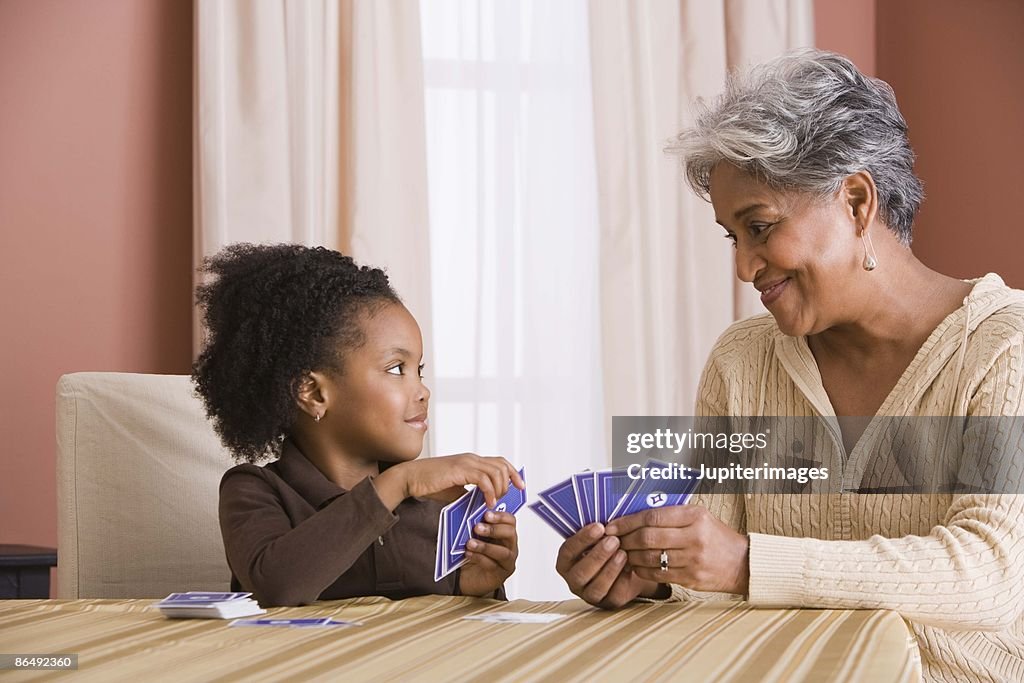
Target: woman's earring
pixel 316 417
pixel 870 262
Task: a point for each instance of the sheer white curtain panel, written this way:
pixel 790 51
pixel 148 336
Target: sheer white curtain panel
pixel 309 129
pixel 668 287
pixel 514 248
pixel 266 124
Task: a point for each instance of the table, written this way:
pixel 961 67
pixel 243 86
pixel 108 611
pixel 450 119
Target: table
pixel 426 639
pixel 25 571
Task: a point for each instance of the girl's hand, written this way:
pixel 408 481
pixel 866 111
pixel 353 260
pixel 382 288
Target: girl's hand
pixel 703 553
pixel 491 555
pixel 445 478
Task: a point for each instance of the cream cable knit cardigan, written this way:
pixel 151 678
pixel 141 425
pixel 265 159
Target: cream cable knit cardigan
pixel 951 565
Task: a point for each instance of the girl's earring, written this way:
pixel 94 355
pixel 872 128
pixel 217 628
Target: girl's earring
pixel 316 417
pixel 870 262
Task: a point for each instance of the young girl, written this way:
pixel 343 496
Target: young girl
pixel 314 360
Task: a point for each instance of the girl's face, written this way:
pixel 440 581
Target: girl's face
pixel 379 411
pixel 800 253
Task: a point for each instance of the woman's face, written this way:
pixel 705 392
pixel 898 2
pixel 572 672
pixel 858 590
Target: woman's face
pixel 379 406
pixel 798 251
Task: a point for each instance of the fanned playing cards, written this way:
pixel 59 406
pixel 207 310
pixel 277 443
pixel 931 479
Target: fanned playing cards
pixel 602 496
pixel 455 527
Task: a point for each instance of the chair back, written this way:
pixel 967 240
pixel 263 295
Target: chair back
pixel 138 466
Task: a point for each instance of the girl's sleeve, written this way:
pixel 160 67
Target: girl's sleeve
pixel 966 573
pixel 283 565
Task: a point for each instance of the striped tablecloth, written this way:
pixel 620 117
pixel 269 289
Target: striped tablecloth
pixel 426 639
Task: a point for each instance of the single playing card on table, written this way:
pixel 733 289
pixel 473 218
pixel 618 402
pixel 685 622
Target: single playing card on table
pixel 294 623
pixel 516 617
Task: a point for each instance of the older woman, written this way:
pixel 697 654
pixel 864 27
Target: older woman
pixel 808 167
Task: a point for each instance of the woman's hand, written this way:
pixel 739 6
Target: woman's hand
pixel 491 555
pixel 703 553
pixel 445 478
pixel 596 569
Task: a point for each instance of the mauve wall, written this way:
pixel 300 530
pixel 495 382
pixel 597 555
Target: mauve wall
pixel 957 69
pixel 95 217
pixel 958 72
pixel 847 27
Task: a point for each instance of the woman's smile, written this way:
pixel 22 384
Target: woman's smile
pixel 771 292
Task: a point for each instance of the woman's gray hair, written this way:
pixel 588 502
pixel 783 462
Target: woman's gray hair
pixel 805 121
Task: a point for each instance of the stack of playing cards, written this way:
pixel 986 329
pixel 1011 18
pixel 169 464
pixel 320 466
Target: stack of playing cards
pixel 455 527
pixel 200 605
pixel 602 496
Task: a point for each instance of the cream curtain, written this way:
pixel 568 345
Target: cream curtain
pixel 266 124
pixel 309 129
pixel 668 287
pixel 513 211
pixel 385 220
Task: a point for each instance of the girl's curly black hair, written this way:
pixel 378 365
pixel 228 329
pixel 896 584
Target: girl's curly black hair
pixel 274 313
